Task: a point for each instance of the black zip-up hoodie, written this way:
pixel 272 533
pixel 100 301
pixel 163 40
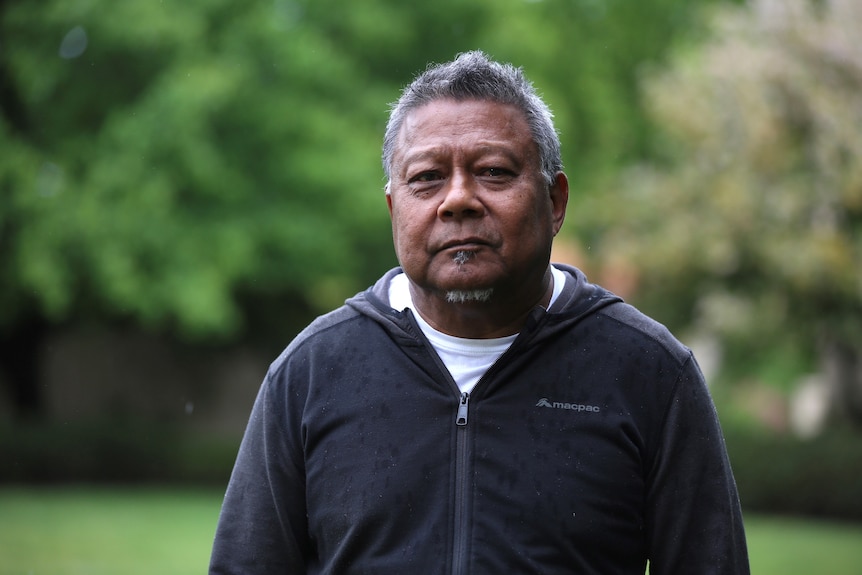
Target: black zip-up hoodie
pixel 590 447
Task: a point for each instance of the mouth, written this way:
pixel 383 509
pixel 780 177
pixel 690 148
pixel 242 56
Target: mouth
pixel 466 245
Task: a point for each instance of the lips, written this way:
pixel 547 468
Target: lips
pixel 464 244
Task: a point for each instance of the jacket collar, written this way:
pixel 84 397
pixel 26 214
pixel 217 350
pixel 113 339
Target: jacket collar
pixel 578 298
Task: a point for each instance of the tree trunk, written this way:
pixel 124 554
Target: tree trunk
pixel 842 366
pixel 20 351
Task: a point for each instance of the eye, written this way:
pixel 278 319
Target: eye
pixel 428 176
pixel 497 173
pixel 424 183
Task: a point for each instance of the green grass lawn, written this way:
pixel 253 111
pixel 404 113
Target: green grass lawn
pixel 72 531
pixel 796 546
pixel 106 531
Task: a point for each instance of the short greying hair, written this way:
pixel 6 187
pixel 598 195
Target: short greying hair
pixel 473 76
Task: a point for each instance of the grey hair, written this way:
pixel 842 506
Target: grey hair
pixel 473 76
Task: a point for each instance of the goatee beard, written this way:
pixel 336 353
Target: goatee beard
pixel 467 296
pixel 461 257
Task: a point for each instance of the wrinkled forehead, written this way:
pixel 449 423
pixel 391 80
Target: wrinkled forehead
pixel 450 122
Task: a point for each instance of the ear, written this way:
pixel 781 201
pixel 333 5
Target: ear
pixel 559 194
pixel 388 198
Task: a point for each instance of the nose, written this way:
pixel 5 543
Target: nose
pixel 461 199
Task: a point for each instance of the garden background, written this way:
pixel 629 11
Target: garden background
pixel 183 186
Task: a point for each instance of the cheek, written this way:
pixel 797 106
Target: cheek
pixel 542 215
pixel 526 220
pixel 396 213
pixel 407 223
pixel 406 238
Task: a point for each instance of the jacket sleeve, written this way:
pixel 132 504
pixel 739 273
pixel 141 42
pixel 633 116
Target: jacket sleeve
pixel 694 519
pixel 262 525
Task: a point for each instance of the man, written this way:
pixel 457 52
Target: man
pixel 479 410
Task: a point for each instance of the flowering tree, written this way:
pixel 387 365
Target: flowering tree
pixel 751 224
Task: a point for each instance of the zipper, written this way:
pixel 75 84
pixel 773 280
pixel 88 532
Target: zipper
pixel 462 486
pixel 461 420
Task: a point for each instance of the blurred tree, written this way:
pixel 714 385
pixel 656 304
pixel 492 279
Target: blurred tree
pixel 586 57
pixel 188 167
pixel 210 168
pixel 168 157
pixel 751 227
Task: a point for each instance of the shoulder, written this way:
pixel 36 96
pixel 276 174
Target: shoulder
pixel 620 323
pixel 638 328
pixel 325 332
pixel 362 320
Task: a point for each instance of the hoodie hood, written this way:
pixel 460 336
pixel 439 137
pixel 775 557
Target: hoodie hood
pixel 578 298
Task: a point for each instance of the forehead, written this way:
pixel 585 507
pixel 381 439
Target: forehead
pixel 470 124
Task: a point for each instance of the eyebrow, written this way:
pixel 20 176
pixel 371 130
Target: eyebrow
pixel 432 152
pixel 421 155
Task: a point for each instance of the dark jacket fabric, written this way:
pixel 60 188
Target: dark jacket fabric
pixel 590 447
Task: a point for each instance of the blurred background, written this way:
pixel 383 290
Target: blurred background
pixel 184 185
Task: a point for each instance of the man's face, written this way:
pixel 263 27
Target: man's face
pixel 470 209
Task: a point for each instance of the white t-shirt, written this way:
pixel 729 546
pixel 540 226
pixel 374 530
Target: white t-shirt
pixel 466 359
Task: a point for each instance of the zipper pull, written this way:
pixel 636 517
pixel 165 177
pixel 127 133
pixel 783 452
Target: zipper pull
pixel 462 410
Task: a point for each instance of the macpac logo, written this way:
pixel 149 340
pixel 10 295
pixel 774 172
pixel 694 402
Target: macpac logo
pixel 570 406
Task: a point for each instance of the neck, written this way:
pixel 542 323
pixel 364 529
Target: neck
pixel 481 314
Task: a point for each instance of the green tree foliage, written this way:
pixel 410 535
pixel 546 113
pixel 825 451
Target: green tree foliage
pixel 164 163
pixel 752 227
pixel 163 160
pixel 160 163
pixel 586 56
